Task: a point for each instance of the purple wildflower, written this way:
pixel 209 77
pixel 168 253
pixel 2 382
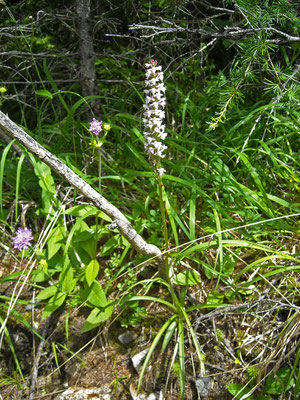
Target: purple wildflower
pixel 22 239
pixel 95 126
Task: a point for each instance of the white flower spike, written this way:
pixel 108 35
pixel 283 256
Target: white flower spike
pixel 154 115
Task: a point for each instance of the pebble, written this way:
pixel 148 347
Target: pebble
pixel 203 386
pixel 138 359
pixel 127 337
pixel 102 393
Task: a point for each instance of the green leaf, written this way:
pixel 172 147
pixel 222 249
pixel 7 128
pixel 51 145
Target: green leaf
pixel 86 241
pixel 45 93
pixel 46 180
pixel 215 298
pixel 150 351
pixel 47 292
pixel 55 240
pixel 39 276
pixel 239 391
pixel 143 163
pixel 53 304
pixel 110 245
pixel 97 316
pixel 168 335
pixel 279 383
pixel 151 298
pixel 91 271
pixel 68 282
pixel 229 263
pixel 189 277
pixel 84 236
pixel 94 295
pixel 81 210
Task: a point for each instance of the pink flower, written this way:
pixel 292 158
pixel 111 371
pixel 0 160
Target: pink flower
pixel 22 239
pixel 95 126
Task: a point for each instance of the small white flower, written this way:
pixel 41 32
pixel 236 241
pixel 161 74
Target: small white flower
pixel 161 171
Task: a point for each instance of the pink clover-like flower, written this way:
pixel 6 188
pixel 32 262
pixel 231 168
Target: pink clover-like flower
pixel 95 126
pixel 22 239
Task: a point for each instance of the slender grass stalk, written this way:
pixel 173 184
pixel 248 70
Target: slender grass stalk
pixel 2 165
pixel 18 179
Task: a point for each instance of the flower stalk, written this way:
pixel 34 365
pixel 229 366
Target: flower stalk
pixel 96 127
pixel 154 133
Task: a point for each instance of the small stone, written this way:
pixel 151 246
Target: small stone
pixel 138 359
pixel 203 386
pixel 127 337
pixel 144 396
pixel 103 393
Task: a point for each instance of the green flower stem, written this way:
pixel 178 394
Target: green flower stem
pixel 99 169
pixel 175 299
pixel 99 186
pixel 164 219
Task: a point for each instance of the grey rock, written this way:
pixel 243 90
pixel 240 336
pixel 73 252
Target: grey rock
pixel 127 337
pixel 138 359
pixel 203 386
pixel 103 393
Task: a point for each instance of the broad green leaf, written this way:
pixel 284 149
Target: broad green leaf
pixel 110 245
pixel 189 277
pixel 86 241
pixel 53 304
pixel 97 316
pixel 68 282
pixel 47 292
pixel 229 262
pixel 279 383
pixel 46 180
pixel 55 240
pixel 215 298
pixel 79 257
pixel 94 295
pixel 238 390
pixel 84 236
pixel 82 210
pixel 91 271
pixel 208 270
pixel 39 276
